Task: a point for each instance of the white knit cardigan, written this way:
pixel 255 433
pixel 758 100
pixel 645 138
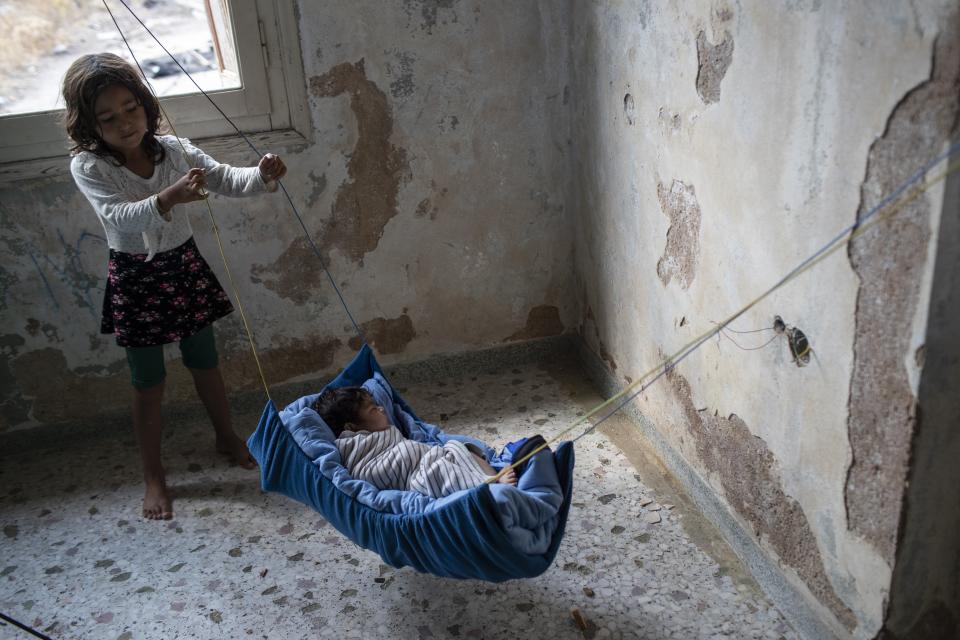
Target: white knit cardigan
pixel 127 203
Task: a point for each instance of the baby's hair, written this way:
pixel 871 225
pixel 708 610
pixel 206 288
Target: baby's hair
pixel 82 84
pixel 338 407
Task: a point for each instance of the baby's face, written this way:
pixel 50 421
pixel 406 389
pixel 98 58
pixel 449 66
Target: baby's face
pixel 372 417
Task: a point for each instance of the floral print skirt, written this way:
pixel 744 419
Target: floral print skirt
pixel 172 297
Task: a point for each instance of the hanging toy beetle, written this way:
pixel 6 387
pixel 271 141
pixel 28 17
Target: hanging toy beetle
pixel 797 341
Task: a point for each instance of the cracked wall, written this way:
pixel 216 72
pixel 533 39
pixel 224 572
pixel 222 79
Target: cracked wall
pixel 364 203
pixel 368 200
pixel 460 192
pixel 542 321
pixel 385 335
pixel 712 63
pixel 719 146
pixel 680 255
pixel 750 481
pixel 891 269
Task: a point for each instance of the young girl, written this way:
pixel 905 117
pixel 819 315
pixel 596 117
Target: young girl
pixel 159 288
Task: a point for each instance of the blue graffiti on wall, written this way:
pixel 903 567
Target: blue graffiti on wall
pixel 69 270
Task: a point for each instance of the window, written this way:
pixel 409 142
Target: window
pixel 244 53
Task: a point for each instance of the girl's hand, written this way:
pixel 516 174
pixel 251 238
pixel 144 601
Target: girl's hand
pixel 271 169
pixel 190 188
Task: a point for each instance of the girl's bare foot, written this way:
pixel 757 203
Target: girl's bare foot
pixel 236 450
pixel 510 477
pixel 156 501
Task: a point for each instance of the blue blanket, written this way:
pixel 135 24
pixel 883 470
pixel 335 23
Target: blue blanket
pixel 492 532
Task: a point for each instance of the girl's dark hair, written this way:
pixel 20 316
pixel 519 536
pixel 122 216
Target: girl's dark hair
pixel 83 82
pixel 337 407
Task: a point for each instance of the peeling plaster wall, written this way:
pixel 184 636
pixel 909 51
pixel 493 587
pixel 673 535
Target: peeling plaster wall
pixel 718 144
pixel 890 267
pixel 434 182
pixel 482 172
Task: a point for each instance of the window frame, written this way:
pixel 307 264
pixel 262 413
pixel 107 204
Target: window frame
pixel 272 96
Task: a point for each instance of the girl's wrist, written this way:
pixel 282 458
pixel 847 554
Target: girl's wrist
pixel 163 207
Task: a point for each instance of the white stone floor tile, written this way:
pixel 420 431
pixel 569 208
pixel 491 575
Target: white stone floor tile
pixel 77 561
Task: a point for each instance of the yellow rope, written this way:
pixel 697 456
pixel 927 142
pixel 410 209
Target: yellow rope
pixel 223 256
pixel 913 194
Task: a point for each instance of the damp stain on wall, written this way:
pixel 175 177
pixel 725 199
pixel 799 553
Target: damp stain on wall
pixel 90 392
pixel 368 199
pixel 426 208
pixel 7 280
pixel 890 265
pixel 428 10
pixel 430 206
pixel 713 60
pixel 387 335
pixel 292 357
pixel 78 394
pixel 542 321
pixel 318 186
pixel 14 408
pixel 596 342
pixel 747 472
pixel 364 203
pixel 34 327
pixel 682 251
pixel 401 71
pixel 607 357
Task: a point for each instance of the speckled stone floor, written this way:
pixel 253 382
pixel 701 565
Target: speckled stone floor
pixel 76 560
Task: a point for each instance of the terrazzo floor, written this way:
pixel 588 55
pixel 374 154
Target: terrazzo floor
pixel 76 560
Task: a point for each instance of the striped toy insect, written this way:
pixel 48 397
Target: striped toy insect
pixel 797 340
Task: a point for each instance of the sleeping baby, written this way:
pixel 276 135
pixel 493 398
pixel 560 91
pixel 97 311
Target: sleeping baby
pixel 375 451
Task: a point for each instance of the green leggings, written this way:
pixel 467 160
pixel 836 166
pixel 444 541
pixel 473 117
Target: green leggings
pixel 199 351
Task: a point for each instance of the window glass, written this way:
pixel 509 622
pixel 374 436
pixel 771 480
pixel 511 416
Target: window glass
pixel 43 37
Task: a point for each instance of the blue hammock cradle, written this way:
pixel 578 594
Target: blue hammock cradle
pixel 469 535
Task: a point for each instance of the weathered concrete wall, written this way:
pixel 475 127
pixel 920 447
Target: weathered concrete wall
pixel 434 183
pixel 714 146
pixel 718 144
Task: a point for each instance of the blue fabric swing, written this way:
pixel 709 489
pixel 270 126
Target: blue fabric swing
pixel 493 532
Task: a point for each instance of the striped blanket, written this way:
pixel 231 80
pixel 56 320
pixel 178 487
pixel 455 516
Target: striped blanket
pixel 387 460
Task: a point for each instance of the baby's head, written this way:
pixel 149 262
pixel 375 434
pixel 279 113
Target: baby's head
pixel 351 408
